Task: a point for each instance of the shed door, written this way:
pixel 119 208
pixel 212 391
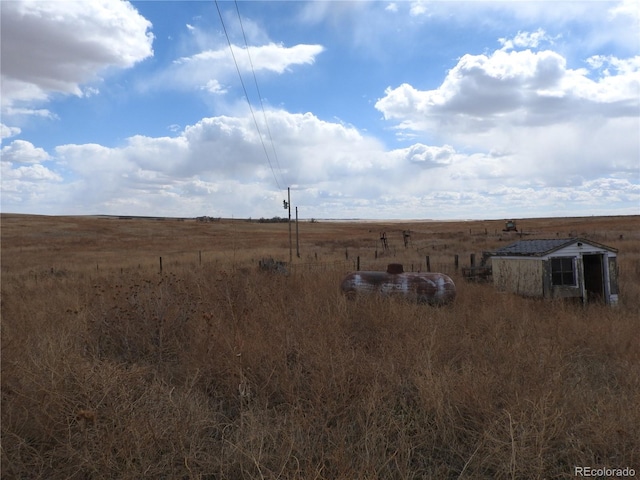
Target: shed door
pixel 593 277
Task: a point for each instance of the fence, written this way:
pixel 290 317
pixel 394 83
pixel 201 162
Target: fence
pixel 340 265
pixel 447 264
pixel 170 262
pixel 442 263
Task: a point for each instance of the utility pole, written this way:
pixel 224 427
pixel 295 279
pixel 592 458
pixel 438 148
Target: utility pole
pixel 287 205
pixel 290 242
pixel 297 238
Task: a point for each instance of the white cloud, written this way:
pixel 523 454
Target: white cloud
pixel 427 156
pixel 629 66
pixel 210 69
pixel 95 163
pixel 20 151
pixel 484 92
pixel 526 40
pixel 556 126
pixel 8 132
pixel 213 86
pixel 57 46
pixel 218 167
pixel 25 183
pixel 515 132
pixel 418 8
pixel 628 9
pixel 278 58
pixel 220 161
pixel 13 112
pixel 32 173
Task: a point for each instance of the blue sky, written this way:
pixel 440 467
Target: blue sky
pixel 366 109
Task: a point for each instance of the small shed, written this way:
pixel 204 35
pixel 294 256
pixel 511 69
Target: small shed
pixel 569 267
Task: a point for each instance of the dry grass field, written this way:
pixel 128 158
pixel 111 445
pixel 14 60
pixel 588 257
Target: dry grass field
pixel 213 369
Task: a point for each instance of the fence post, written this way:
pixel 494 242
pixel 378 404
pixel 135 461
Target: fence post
pixel 428 263
pixel 160 264
pixel 358 263
pixel 200 256
pixel 455 261
pixel 472 259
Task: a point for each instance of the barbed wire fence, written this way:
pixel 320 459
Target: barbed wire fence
pixel 413 260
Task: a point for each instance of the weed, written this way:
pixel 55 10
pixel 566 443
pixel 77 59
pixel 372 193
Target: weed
pixel 218 370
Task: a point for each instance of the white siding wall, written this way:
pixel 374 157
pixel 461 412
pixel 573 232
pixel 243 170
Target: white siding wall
pixel 522 275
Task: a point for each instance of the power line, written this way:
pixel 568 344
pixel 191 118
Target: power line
pixel 255 80
pixel 247 96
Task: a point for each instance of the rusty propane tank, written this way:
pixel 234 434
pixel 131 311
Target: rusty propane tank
pixel 431 288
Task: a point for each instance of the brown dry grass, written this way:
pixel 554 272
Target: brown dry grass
pixel 111 369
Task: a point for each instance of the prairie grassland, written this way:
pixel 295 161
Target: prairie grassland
pixel 212 369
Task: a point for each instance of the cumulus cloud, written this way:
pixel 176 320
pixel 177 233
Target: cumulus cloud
pixel 555 125
pixel 217 166
pixel 524 129
pixel 56 47
pixel 24 181
pixel 526 40
pixel 520 87
pixel 33 173
pixel 230 148
pixel 20 151
pixel 427 156
pixel 8 132
pixel 221 161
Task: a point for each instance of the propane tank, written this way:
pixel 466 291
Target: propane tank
pixel 427 287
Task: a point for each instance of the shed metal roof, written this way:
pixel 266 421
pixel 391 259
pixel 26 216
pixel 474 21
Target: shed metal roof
pixel 541 247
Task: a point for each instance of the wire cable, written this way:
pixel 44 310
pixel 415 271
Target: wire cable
pixel 247 97
pixel 255 80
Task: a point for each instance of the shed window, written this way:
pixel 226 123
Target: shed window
pixel 563 271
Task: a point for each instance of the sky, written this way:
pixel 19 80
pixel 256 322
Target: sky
pixel 364 109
